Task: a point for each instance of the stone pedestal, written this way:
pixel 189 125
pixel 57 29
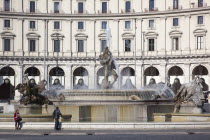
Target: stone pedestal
pixel 30 109
pixel 178 117
pixel 190 108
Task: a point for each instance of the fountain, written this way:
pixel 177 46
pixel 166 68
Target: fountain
pixel 106 104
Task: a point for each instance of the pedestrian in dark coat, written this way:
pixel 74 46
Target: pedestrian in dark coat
pixel 57 114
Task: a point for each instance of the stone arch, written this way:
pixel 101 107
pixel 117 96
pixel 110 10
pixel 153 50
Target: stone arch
pixel 80 73
pixel 57 73
pixel 151 72
pixel 199 71
pixel 176 72
pixel 33 72
pixel 7 72
pixel 7 91
pixel 203 73
pixel 127 72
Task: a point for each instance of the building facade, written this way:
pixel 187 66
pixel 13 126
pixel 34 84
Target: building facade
pixel 160 39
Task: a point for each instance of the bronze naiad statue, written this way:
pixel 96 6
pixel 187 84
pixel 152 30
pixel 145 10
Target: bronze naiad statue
pixel 191 93
pixel 107 62
pixel 31 91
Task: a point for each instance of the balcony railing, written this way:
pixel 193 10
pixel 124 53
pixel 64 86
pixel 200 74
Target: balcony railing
pixel 36 11
pixel 7 10
pixel 175 8
pixel 79 12
pixel 104 12
pixel 197 5
pixel 151 9
pixel 130 11
pixel 57 11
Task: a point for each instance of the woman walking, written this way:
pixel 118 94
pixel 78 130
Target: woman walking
pixel 17 119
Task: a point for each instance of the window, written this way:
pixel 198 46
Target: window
pixel 56 25
pixel 103 25
pixel 56 45
pixel 151 5
pixel 80 45
pixel 104 7
pixel 127 6
pixel 127 24
pixel 200 19
pixel 80 25
pixel 151 44
pixel 200 42
pixel 32 47
pixel 56 7
pixel 32 24
pixel 6 44
pixel 103 45
pixel 7 23
pixel 127 45
pixel 32 6
pixel 175 22
pixel 6 5
pixel 175 43
pixel 175 4
pixel 80 7
pixel 200 3
pixel 151 23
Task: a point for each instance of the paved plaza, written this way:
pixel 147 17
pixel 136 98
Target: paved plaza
pixel 172 134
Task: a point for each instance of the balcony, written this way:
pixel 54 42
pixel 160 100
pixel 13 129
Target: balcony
pixel 197 5
pixel 175 8
pixel 33 11
pixel 104 12
pixel 151 9
pixel 57 11
pixel 81 12
pixel 130 11
pixel 7 10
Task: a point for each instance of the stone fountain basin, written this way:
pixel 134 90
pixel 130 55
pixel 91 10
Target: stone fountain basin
pixel 107 95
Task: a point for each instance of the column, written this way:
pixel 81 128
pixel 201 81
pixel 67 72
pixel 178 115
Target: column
pixel 18 79
pixel 139 76
pixel 187 74
pixel 91 76
pixel 162 73
pixel 68 77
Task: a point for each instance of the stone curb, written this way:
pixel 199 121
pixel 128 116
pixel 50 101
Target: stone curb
pixel 151 133
pixel 92 126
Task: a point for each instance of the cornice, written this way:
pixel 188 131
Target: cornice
pixel 38 58
pixel 110 15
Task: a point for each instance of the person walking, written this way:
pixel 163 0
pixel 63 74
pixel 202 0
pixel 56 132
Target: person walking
pixel 17 119
pixel 56 115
